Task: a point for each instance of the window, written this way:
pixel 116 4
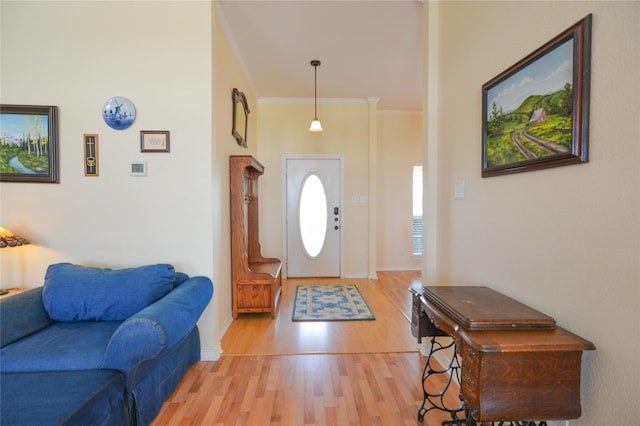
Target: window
pixel 417 211
pixel 313 215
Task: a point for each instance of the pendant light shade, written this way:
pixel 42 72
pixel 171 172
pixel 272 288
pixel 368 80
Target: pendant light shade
pixel 315 124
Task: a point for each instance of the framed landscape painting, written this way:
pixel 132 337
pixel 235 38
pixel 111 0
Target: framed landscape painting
pixel 28 143
pixel 536 113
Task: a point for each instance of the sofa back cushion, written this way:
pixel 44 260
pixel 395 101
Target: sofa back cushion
pixel 80 293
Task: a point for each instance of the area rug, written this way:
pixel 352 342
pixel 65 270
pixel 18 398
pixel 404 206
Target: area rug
pixel 330 303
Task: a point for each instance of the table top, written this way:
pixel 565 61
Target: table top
pixel 489 321
pixel 481 308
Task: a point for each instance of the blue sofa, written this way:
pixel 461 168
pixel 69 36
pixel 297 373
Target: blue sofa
pixel 98 345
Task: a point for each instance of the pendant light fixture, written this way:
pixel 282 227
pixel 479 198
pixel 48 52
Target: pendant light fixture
pixel 315 124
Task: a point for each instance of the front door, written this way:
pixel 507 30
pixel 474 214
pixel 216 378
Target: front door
pixel 313 213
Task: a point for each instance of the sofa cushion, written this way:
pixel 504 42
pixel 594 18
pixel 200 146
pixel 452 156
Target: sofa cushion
pixel 80 293
pixel 78 345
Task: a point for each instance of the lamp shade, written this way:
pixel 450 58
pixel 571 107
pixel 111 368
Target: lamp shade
pixel 315 126
pixel 9 239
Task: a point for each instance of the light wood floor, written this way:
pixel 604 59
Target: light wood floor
pixel 277 372
pixel 388 297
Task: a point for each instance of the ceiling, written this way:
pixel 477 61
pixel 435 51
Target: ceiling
pixel 368 49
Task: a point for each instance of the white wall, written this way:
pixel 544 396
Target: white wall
pixel 566 240
pixel 76 55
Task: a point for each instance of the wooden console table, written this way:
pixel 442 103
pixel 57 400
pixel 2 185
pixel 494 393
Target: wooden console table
pixel 513 363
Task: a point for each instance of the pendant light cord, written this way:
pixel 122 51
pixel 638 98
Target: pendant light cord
pixel 315 90
pixel 315 63
pixel 315 124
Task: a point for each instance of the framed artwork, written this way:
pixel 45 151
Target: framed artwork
pixel 90 154
pixel 28 143
pixel 154 141
pixel 536 113
pixel 240 117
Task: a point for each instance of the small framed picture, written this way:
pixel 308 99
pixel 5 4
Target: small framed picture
pixel 138 168
pixel 154 141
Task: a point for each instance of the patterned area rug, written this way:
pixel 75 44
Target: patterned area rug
pixel 330 303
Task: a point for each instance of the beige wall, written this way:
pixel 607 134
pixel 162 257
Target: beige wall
pixel 227 75
pixel 399 149
pixel 566 240
pixel 76 55
pixel 283 129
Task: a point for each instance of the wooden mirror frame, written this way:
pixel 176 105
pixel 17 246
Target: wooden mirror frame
pixel 240 117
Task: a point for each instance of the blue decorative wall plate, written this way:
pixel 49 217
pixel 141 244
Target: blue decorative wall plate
pixel 119 113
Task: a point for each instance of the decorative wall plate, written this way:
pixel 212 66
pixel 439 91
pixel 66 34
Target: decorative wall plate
pixel 118 112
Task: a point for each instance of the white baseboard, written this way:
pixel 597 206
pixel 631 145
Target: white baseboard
pixel 398 269
pixel 215 353
pixel 351 276
pixel 225 327
pixel 211 354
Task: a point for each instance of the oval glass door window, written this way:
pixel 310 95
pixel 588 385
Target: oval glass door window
pixel 313 215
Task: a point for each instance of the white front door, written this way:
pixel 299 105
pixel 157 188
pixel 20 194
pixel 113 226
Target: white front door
pixel 313 212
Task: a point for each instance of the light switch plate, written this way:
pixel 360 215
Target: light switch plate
pixel 458 191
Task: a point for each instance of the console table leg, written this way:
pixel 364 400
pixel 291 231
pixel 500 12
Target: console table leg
pixel 435 399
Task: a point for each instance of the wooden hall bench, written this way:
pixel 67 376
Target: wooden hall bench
pixel 256 279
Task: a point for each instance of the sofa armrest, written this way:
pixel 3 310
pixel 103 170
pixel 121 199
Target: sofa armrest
pixel 158 326
pixel 22 315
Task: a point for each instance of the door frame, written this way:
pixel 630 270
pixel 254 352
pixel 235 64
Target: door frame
pixel 285 248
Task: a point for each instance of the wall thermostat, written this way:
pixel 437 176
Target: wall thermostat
pixel 138 168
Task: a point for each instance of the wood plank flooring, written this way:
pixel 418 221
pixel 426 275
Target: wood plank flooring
pixel 273 372
pixel 258 334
